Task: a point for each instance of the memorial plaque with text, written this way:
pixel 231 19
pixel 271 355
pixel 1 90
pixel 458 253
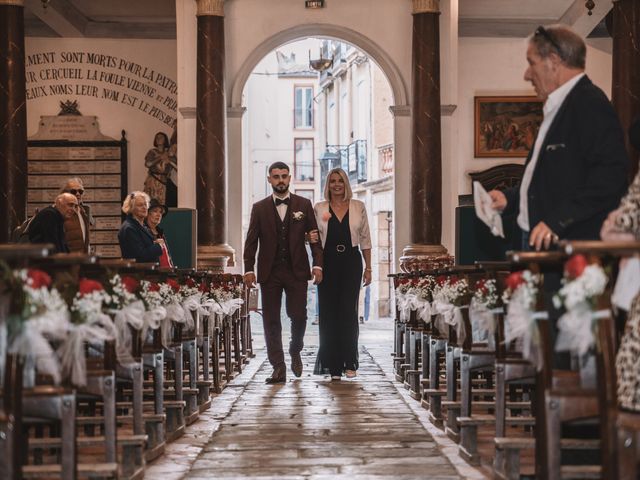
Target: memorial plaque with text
pixel 102 166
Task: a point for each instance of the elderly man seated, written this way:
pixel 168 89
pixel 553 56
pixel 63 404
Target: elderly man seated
pixel 48 224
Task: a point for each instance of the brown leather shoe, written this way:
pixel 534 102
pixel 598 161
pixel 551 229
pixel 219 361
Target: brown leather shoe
pixel 279 375
pixel 296 364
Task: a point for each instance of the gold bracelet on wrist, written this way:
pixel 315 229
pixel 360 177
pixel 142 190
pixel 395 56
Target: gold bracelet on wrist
pixel 367 269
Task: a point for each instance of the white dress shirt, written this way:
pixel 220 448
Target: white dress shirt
pixel 282 208
pixel 550 109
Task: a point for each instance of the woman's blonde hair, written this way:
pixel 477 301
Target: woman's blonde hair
pixel 348 193
pixel 127 205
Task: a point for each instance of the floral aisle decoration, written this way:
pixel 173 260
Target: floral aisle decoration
pixel 37 314
pixel 227 298
pixel 404 297
pixel 423 297
pixel 415 294
pixel 128 310
pixel 89 324
pixel 582 284
pixel 520 299
pixel 485 304
pixel 450 296
pixel 192 298
pixel 167 296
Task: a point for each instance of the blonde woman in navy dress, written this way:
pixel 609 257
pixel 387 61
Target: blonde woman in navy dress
pixel 344 232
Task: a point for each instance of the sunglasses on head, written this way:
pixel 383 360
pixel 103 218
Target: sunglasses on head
pixel 73 191
pixel 543 32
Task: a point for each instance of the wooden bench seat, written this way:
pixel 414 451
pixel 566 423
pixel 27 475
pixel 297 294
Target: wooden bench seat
pixel 122 419
pixel 93 470
pixel 491 419
pixel 124 440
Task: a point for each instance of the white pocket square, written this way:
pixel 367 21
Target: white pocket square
pixel 555 146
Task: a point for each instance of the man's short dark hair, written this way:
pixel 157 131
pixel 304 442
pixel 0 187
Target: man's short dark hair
pixel 279 165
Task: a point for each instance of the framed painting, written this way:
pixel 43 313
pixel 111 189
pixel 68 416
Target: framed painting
pixel 505 126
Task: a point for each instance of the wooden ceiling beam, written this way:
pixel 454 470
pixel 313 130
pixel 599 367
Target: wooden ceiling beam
pixel 60 16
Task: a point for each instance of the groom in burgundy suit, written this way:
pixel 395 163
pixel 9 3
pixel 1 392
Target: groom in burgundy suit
pixel 279 223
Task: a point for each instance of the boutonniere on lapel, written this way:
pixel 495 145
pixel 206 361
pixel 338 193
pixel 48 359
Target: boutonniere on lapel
pixel 297 216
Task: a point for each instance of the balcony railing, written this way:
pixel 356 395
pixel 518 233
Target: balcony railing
pixel 351 158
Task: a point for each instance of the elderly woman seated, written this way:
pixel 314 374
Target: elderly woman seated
pixel 136 240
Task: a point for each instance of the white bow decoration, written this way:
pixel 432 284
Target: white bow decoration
pixel 575 330
pixel 424 311
pixel 520 324
pixel 98 328
pixel 450 314
pixel 483 320
pixel 129 315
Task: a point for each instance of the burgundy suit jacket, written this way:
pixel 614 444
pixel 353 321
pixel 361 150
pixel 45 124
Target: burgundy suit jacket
pixel 263 231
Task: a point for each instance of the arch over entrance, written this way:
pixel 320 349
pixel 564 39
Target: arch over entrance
pixel 397 73
pixel 378 54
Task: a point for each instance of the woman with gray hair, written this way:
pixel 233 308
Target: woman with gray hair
pixel 343 229
pixel 136 241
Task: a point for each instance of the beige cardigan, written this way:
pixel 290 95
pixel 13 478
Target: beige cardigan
pixel 358 223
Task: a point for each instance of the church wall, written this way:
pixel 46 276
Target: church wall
pixel 495 66
pixel 128 84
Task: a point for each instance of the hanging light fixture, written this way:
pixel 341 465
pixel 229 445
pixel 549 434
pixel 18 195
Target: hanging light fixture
pixel 590 4
pixel 320 64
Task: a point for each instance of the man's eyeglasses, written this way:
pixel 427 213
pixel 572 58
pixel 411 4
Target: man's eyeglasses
pixel 543 32
pixel 73 191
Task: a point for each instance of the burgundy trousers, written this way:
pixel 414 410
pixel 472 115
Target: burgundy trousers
pixel 281 280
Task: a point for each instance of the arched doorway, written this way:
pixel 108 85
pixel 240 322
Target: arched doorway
pixel 399 109
pixel 318 121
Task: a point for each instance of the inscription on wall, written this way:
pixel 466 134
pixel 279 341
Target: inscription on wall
pixel 108 77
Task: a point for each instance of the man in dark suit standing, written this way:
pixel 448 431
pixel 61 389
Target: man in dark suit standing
pixel 576 172
pixel 279 224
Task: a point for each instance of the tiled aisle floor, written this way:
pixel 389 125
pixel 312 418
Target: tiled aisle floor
pixel 312 428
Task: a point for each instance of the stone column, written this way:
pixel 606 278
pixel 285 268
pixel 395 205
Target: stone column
pixel 625 91
pixel 211 178
pixel 13 118
pixel 426 250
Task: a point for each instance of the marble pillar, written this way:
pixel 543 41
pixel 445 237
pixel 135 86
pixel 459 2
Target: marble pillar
pixel 426 250
pixel 13 118
pixel 211 179
pixel 625 85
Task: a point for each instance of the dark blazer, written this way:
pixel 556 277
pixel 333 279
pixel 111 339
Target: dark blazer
pixel 581 172
pixel 136 241
pixel 262 230
pixel 48 227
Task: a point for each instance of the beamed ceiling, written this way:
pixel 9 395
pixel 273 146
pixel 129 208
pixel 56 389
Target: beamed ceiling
pixel 156 18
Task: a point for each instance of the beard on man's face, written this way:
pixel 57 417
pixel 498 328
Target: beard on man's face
pixel 280 187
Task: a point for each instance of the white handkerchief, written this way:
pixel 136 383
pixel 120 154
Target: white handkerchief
pixel 627 284
pixel 484 211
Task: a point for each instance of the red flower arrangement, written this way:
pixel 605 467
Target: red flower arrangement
pixel 175 286
pixel 481 286
pixel 575 266
pixel 38 279
pixel 191 283
pixel 87 286
pixel 204 287
pixel 130 284
pixel 515 279
pixel 154 287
